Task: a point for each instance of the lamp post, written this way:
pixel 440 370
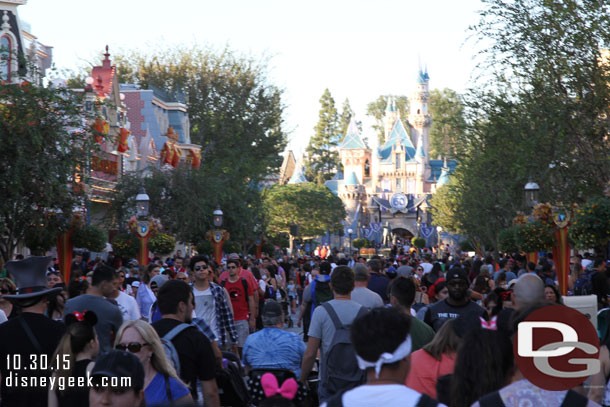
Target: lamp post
pixel 531 194
pixel 439 229
pixel 143 226
pixel 349 232
pixel 217 236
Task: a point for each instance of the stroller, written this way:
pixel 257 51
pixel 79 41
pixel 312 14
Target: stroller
pixel 284 300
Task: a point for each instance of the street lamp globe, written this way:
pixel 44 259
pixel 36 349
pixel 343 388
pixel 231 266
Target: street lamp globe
pixel 439 229
pixel 142 203
pixel 217 217
pixel 350 231
pixel 531 194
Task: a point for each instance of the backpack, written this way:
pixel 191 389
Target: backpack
pixel 244 282
pixel 320 293
pixel 341 371
pixel 170 349
pixel 583 284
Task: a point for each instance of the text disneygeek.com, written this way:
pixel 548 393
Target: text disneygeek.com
pixel 15 380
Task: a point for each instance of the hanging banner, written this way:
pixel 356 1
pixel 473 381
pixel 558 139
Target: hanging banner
pixel 426 231
pixel 376 227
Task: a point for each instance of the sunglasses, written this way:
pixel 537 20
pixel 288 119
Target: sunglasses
pixel 133 347
pixel 181 278
pixel 4 291
pixel 197 268
pixel 231 267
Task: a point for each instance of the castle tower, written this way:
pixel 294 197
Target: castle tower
pixel 391 115
pixel 420 158
pixel 353 194
pixel 419 118
pixel 355 156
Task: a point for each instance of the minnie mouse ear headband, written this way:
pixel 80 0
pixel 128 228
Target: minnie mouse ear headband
pixel 88 317
pixel 434 288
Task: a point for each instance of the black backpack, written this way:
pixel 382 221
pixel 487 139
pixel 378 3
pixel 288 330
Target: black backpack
pixel 341 371
pixel 320 293
pixel 232 389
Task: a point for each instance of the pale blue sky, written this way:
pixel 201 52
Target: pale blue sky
pixel 359 49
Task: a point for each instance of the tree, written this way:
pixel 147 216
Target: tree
pixel 543 59
pixel 43 146
pixel 310 206
pixel 377 108
pixel 448 125
pixel 234 112
pixel 322 158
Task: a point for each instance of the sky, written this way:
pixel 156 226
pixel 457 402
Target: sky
pixel 358 49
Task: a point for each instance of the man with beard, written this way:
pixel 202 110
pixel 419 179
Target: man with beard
pixel 176 303
pixel 457 304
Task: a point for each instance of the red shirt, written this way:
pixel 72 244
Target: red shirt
pixel 239 299
pixel 425 371
pixel 247 274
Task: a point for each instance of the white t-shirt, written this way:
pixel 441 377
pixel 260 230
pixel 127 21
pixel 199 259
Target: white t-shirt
pixel 128 306
pixel 386 395
pixel 205 308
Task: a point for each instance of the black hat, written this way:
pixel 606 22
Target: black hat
pixel 271 309
pixel 118 363
pixel 457 273
pixel 31 277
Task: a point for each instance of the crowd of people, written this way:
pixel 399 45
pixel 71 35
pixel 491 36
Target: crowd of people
pixel 408 330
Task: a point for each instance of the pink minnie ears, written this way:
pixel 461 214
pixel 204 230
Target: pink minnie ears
pixel 271 388
pixel 491 325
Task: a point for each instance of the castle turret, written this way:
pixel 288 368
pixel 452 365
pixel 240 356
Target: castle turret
pixel 391 115
pixel 419 118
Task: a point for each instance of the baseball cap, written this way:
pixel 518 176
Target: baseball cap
pixel 120 364
pixel 457 274
pixel 272 309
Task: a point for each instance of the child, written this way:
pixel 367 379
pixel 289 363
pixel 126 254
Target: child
pixel 292 295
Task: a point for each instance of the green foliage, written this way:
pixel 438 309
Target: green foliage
pixel 40 239
pixel 231 247
pixel 507 240
pixel 89 237
pixel 313 207
pixel 184 199
pixel 448 127
pixel 40 151
pixel 125 245
pixel 161 244
pixel 466 246
pixel 418 242
pixel 590 226
pixel 377 108
pixel 205 247
pixel 535 237
pixel 322 159
pixel 361 242
pixel 235 113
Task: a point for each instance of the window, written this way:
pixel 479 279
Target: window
pixel 398 162
pixel 367 169
pixel 386 184
pixel 398 185
pixel 5 58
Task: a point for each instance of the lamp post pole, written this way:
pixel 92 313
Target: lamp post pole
pixel 349 232
pixel 143 225
pixel 217 236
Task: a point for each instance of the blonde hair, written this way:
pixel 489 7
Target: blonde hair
pixel 158 360
pixel 444 341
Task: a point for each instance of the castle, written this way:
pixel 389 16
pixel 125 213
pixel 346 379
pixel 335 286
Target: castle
pixel 386 190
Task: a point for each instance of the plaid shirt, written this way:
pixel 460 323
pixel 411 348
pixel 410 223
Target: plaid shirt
pixel 224 316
